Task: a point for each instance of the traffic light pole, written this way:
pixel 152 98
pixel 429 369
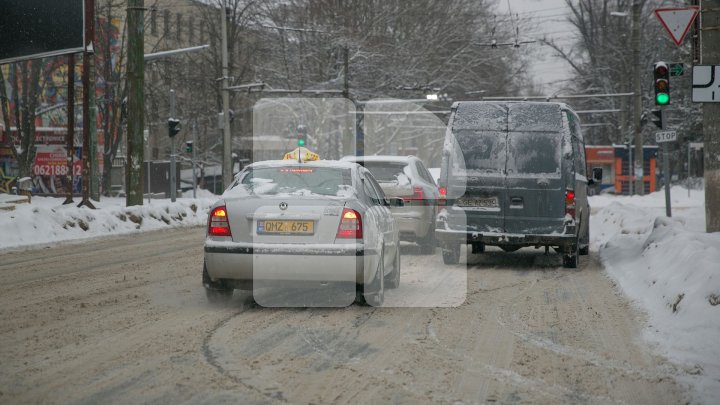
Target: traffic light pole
pixel 666 175
pixel 173 181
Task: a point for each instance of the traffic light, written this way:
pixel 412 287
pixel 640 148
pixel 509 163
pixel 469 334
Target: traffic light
pixel 189 146
pixel 301 135
pixel 657 118
pixel 661 73
pixel 173 127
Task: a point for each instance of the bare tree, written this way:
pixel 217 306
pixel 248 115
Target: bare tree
pixel 601 62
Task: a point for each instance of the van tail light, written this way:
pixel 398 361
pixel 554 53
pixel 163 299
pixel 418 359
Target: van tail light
pixel 350 225
pixel 441 202
pixel 570 203
pixel 218 224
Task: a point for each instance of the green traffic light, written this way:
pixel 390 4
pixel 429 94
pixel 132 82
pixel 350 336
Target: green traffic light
pixel 662 99
pixel 301 142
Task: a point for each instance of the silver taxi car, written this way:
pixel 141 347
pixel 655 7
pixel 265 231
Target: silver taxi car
pixel 297 224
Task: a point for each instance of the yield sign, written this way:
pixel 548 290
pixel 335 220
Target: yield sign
pixel 677 21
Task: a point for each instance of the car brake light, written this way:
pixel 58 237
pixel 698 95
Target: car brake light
pixel 570 203
pixel 218 224
pixel 443 192
pixel 350 225
pixel 418 195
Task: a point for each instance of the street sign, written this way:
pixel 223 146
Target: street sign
pixel 676 69
pixel 665 136
pixel 677 21
pixel 706 84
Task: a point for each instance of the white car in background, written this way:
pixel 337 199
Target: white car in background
pixel 305 224
pixel 406 177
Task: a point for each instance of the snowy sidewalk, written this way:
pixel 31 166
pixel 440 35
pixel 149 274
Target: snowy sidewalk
pixel 46 220
pixel 671 268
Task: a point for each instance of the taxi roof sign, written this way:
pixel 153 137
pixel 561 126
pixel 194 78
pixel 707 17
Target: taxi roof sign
pixel 301 155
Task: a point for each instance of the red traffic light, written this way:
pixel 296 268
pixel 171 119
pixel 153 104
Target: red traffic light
pixel 661 69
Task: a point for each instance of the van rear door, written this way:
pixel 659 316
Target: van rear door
pixel 535 203
pixel 480 131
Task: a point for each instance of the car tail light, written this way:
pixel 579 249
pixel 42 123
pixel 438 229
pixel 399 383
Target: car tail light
pixel 418 195
pixel 350 225
pixel 218 224
pixel 570 203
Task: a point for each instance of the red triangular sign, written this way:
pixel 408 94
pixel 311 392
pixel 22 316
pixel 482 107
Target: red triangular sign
pixel 677 21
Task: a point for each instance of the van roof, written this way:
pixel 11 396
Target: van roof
pixel 507 116
pixel 563 106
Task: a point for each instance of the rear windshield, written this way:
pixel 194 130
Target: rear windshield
pixel 299 180
pixel 525 153
pixel 389 172
pixel 482 150
pixel 533 153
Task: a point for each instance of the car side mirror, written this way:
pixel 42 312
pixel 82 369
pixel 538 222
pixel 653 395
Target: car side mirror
pixel 394 202
pixel 597 174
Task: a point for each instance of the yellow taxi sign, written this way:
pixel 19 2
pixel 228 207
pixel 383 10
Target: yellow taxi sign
pixel 301 154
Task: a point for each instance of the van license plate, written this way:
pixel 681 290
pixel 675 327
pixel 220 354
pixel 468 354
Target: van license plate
pixel 285 227
pixel 491 202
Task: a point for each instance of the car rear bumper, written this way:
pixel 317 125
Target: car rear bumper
pixel 413 222
pixel 465 237
pixel 288 265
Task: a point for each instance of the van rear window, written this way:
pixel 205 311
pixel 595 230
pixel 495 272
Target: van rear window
pixel 533 153
pixel 482 150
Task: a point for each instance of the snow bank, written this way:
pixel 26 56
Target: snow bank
pixel 671 268
pixel 47 220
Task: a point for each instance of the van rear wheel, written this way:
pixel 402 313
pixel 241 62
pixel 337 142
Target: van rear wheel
pixel 585 248
pixel 570 259
pixel 451 253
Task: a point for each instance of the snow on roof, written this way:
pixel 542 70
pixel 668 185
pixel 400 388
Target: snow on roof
pixel 379 158
pixel 317 163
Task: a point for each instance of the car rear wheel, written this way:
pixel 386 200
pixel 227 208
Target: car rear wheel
pixel 215 291
pixel 509 248
pixel 377 298
pixel 428 243
pixel 393 279
pixel 451 253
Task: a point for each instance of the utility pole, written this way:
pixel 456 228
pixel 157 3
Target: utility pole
pixel 194 158
pixel 346 72
pixel 88 79
pixel 136 114
pixel 637 109
pixel 710 55
pixel 227 141
pixel 173 180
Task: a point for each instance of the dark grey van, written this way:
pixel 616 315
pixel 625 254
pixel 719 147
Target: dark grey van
pixel 514 175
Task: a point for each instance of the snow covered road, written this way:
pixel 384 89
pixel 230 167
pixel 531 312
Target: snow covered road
pixel 125 319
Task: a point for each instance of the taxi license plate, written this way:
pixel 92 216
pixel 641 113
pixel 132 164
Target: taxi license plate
pixel 491 202
pixel 286 227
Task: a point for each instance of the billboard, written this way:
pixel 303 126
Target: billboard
pixel 32 29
